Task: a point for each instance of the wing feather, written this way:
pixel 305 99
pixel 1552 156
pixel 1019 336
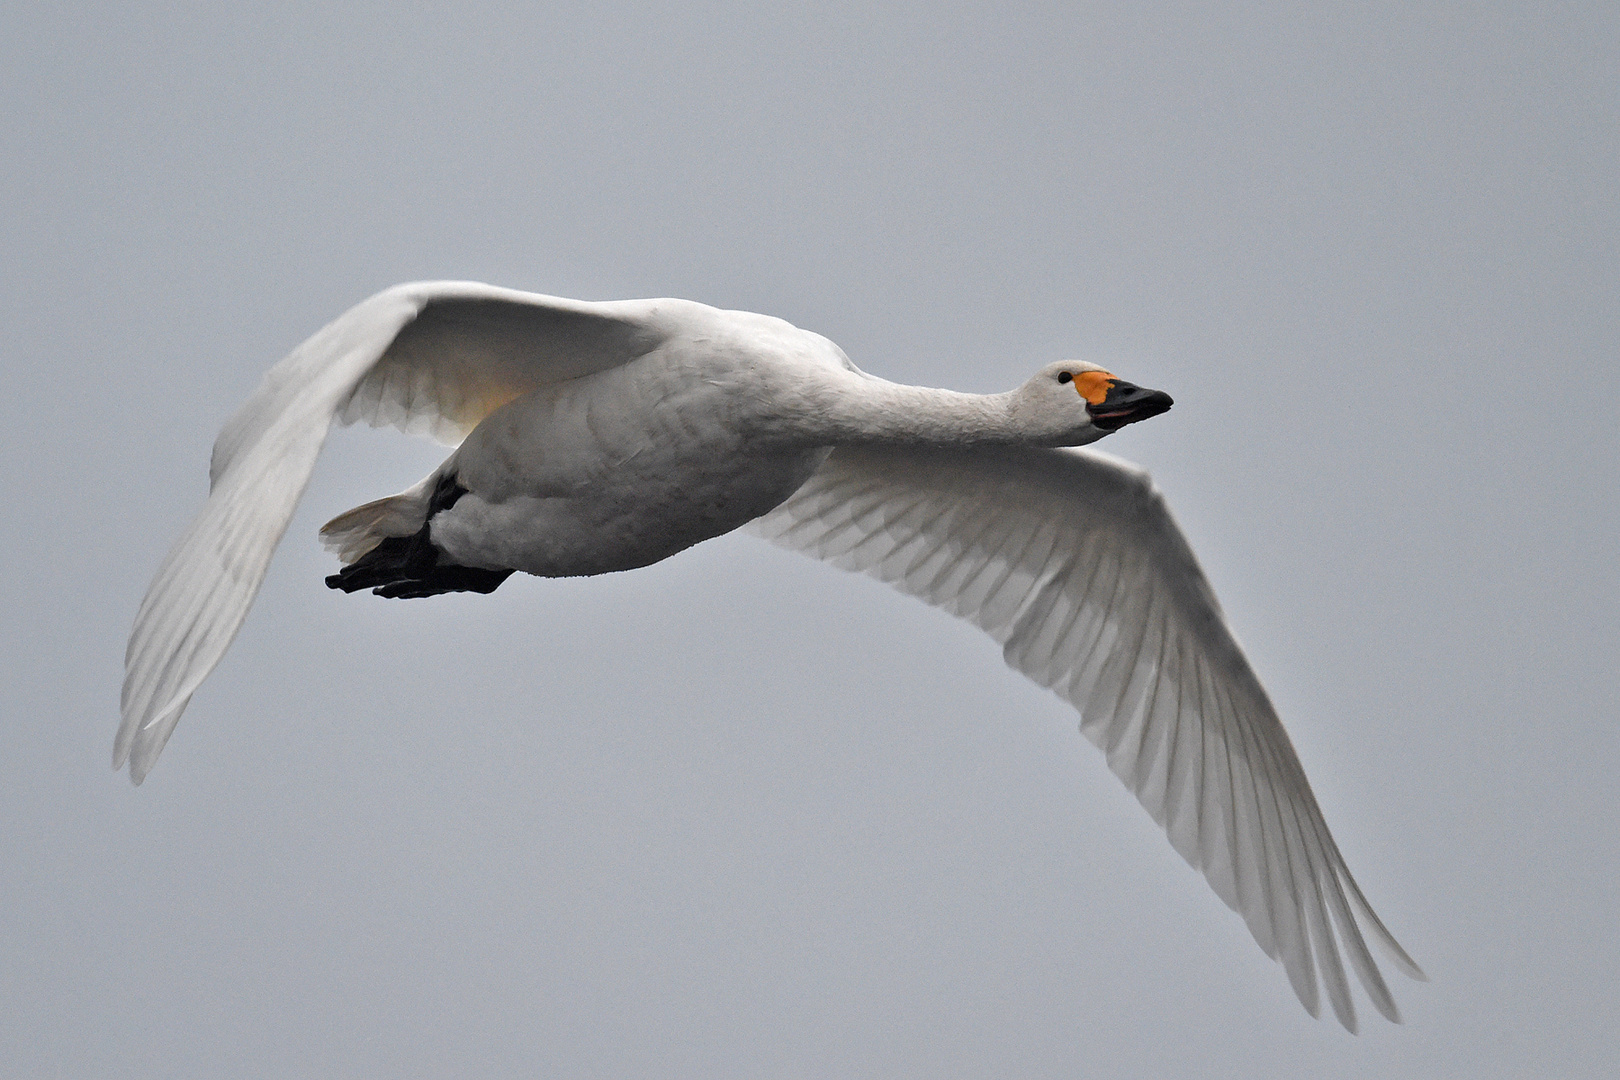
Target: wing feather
pixel 1072 562
pixel 431 358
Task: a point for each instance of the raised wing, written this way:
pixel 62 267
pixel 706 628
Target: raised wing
pixel 1070 559
pixel 432 358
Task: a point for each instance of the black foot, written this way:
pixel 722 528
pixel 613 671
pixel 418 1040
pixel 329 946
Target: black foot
pixel 404 567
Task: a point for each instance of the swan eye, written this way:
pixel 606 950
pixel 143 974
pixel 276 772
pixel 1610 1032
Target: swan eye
pixel 1066 376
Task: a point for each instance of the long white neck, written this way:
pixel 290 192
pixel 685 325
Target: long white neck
pixel 852 407
pixel 879 411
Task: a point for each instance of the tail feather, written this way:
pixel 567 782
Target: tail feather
pixel 355 532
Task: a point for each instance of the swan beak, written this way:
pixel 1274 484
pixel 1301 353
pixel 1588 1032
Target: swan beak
pixel 1126 403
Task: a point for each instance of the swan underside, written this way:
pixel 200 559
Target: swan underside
pixel 405 567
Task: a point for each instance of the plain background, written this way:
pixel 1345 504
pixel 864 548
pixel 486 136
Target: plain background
pixel 739 814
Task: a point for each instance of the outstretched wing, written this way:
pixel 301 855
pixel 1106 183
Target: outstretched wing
pixel 1070 559
pixel 431 358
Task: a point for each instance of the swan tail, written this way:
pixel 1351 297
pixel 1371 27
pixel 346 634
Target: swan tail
pixel 354 533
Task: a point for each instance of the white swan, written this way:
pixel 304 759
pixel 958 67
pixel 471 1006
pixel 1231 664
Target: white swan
pixel 605 436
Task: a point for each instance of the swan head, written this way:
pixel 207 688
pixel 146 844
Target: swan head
pixel 1073 402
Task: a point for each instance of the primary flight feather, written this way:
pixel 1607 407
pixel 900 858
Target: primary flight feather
pixel 593 437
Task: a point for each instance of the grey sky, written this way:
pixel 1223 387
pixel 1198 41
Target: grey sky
pixel 741 815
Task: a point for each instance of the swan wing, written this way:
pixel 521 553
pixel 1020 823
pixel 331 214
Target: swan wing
pixel 430 358
pixel 1070 559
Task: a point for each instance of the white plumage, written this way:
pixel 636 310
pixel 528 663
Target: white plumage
pixel 604 436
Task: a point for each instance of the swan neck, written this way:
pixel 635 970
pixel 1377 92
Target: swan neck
pixel 873 410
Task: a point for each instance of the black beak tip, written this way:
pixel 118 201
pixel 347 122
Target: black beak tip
pixel 1128 404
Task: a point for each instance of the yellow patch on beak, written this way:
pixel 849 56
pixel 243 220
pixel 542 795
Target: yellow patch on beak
pixel 1093 385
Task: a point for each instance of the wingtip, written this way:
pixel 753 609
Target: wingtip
pixel 1392 949
pixel 1403 962
pixel 1388 1009
pixel 1344 1011
pixel 122 744
pixel 143 758
pixel 120 756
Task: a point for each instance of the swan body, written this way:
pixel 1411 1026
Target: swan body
pixel 630 465
pixel 595 437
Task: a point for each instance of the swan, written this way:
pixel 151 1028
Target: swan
pixel 592 437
